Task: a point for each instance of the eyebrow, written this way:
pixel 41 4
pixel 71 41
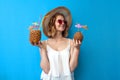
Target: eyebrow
pixel 60 19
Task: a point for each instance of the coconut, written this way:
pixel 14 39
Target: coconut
pixel 78 36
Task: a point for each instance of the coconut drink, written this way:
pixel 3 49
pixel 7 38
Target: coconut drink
pixel 78 35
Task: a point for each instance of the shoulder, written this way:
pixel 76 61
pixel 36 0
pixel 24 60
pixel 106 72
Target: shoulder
pixel 70 40
pixel 45 42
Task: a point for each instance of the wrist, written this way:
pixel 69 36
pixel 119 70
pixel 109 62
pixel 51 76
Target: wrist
pixel 76 47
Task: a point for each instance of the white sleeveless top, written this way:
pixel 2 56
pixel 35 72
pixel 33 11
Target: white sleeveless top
pixel 59 64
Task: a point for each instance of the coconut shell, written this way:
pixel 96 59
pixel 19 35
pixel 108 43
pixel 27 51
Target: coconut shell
pixel 35 36
pixel 78 36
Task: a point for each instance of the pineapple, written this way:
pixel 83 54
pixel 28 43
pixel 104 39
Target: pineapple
pixel 35 34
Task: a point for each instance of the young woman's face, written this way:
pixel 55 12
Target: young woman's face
pixel 60 23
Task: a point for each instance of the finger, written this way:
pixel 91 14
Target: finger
pixel 39 42
pixel 76 42
pixel 79 42
pixel 34 43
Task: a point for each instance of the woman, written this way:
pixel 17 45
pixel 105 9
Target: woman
pixel 59 55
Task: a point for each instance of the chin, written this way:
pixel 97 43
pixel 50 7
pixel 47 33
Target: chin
pixel 62 30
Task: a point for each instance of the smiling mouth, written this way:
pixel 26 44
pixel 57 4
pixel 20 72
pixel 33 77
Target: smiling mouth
pixel 62 25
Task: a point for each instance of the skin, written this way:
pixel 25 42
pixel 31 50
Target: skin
pixel 61 43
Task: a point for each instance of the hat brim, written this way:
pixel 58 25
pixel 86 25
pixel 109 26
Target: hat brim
pixel 62 10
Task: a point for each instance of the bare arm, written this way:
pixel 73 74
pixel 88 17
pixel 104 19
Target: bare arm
pixel 44 61
pixel 74 54
pixel 44 64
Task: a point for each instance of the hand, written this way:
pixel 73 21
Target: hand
pixel 40 44
pixel 76 43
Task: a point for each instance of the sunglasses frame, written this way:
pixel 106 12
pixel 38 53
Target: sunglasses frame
pixel 60 21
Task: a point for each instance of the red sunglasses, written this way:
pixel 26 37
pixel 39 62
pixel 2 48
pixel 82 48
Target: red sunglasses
pixel 61 21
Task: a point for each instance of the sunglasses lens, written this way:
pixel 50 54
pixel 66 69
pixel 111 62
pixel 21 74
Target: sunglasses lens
pixel 60 21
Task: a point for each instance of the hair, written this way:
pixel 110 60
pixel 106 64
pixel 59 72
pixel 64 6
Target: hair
pixel 52 29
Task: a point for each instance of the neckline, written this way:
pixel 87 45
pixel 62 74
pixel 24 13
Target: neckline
pixel 59 50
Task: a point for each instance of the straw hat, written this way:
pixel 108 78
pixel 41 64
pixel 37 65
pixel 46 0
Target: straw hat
pixel 62 10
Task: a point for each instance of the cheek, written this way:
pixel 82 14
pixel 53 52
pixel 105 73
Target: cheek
pixel 56 24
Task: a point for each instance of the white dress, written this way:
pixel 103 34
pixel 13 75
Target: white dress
pixel 59 65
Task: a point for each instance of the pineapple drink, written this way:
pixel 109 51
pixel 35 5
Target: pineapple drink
pixel 35 34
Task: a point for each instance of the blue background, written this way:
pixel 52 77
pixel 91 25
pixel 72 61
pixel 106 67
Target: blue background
pixel 100 51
